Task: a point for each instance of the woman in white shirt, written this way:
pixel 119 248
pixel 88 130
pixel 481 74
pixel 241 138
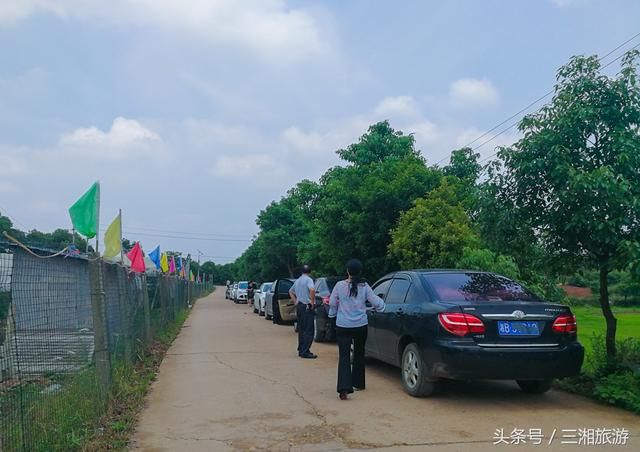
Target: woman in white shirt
pixel 348 304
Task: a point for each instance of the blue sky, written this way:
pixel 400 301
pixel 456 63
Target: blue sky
pixel 194 114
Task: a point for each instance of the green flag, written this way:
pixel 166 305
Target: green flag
pixel 85 212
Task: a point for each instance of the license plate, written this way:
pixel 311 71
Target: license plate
pixel 518 329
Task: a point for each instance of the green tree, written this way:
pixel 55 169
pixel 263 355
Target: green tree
pixel 573 177
pixel 282 228
pixel 360 203
pixel 464 165
pixel 379 144
pixel 486 260
pixel 434 232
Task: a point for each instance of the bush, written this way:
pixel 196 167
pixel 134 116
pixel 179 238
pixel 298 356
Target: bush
pixel 614 382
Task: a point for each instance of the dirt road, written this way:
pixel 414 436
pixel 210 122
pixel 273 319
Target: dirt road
pixel 233 381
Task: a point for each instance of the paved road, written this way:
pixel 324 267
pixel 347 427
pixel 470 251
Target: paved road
pixel 233 381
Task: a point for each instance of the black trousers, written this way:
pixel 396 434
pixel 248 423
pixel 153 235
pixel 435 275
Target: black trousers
pixel 351 375
pixel 305 317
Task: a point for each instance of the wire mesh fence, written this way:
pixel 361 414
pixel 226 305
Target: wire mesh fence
pixel 65 322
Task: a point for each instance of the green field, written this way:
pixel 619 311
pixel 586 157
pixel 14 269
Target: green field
pixel 591 322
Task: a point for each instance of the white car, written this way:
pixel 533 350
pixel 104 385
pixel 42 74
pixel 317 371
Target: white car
pixel 240 295
pixel 259 298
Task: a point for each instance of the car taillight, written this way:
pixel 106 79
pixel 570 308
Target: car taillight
pixel 461 324
pixel 565 324
pixel 325 300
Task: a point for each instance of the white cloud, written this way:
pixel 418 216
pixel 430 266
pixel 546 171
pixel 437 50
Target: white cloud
pixel 566 3
pixel 402 106
pixel 255 168
pixel 126 138
pixel 469 92
pixel 425 132
pixel 13 162
pixel 268 28
pixel 324 143
pixel 204 133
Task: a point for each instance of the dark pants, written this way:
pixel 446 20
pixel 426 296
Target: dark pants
pixel 305 318
pixel 351 375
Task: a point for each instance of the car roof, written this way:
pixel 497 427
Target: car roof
pixel 432 271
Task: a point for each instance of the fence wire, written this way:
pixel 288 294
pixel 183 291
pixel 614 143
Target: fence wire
pixel 63 329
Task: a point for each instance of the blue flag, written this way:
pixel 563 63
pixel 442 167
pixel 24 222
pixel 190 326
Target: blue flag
pixel 155 256
pixel 179 264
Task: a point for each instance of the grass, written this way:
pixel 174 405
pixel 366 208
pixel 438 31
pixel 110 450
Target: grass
pixel 69 413
pixel 130 386
pixel 591 323
pixel 59 412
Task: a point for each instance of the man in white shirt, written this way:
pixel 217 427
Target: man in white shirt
pixel 303 294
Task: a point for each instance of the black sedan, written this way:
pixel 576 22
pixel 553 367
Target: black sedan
pixel 471 325
pixel 325 328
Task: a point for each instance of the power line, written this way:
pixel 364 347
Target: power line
pixel 214 234
pixel 210 239
pixel 544 96
pixel 516 123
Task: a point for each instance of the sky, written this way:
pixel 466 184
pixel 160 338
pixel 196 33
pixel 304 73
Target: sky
pixel 195 114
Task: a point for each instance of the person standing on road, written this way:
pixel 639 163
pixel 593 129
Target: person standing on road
pixel 303 294
pixel 348 305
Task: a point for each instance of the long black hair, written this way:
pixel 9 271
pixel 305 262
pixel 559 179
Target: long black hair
pixel 354 268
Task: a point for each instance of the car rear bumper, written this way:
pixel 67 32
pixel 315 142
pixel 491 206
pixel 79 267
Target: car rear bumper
pixel 454 359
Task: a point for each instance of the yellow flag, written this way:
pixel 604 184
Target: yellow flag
pixel 164 263
pixel 113 238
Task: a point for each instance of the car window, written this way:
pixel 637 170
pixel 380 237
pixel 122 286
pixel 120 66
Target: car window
pixel 331 282
pixel 381 288
pixel 284 286
pixel 398 291
pixel 321 287
pixel 243 285
pixel 477 287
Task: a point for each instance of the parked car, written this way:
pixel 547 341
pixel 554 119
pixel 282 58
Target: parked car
pixel 234 291
pixel 259 298
pixel 241 292
pixel 471 325
pixel 325 327
pixel 278 305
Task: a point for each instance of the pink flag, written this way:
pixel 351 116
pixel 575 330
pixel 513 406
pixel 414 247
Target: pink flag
pixel 172 265
pixel 136 256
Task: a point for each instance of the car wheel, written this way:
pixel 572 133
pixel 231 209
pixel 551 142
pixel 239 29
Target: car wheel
pixel 277 319
pixel 267 316
pixel 415 378
pixel 320 330
pixel 255 310
pixel 535 386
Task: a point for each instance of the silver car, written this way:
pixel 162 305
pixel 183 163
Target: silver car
pixel 259 298
pixel 240 295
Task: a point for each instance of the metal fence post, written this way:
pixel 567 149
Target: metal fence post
pixel 163 298
pixel 147 310
pixel 124 304
pixel 100 333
